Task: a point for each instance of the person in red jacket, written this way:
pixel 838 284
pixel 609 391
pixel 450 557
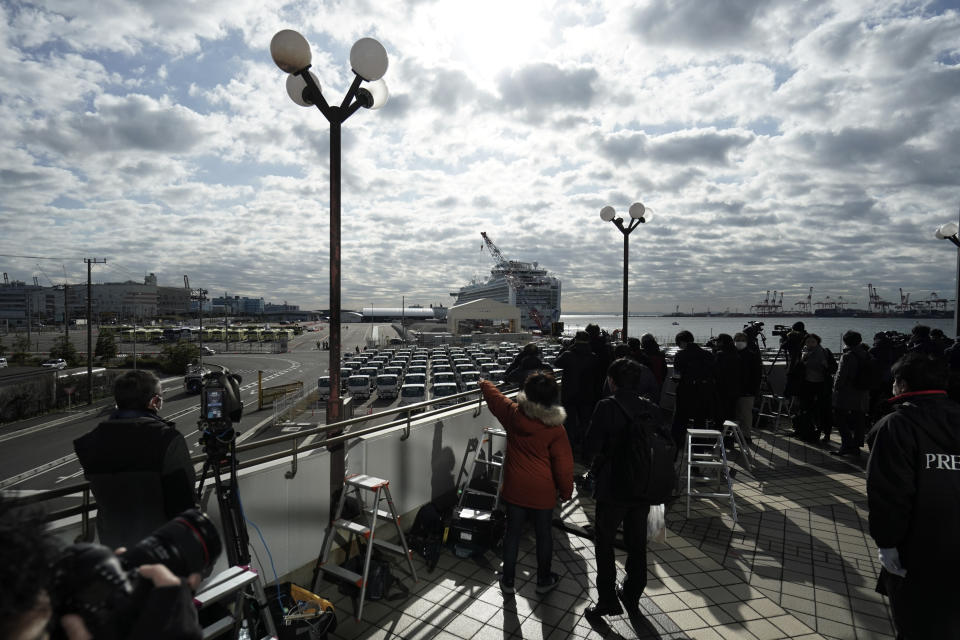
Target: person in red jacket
pixel 538 469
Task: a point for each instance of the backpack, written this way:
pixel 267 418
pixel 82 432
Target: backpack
pixel 832 365
pixel 642 461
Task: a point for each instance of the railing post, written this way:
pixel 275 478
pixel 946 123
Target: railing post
pixel 289 475
pixel 85 534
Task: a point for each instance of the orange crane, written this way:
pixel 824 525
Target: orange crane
pixel 511 278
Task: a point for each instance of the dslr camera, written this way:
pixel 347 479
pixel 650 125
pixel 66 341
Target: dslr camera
pixel 220 406
pixel 107 591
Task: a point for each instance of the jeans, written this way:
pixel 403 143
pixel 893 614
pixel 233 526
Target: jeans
pixel 634 518
pixel 542 521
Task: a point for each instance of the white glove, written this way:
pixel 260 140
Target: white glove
pixel 890 559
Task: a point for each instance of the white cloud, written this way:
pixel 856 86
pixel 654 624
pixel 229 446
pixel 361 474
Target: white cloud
pixel 810 144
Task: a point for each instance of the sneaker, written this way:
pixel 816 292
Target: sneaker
pixel 507 588
pixel 604 609
pixel 550 585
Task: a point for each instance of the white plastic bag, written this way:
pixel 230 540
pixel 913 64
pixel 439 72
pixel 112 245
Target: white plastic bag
pixel 656 525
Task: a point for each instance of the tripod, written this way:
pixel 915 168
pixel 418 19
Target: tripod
pixel 219 443
pixel 220 446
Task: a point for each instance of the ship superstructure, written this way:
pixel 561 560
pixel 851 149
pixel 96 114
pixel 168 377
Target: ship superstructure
pixel 525 285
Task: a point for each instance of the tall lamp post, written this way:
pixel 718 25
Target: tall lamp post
pixel 949 232
pixel 368 60
pixel 638 215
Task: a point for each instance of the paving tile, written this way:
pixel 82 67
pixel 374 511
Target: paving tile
pixel 832 629
pixel 668 602
pixel 795 604
pixel 836 614
pixel 790 625
pixel 687 619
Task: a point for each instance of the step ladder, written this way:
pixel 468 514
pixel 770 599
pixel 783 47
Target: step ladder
pixel 731 429
pixel 707 455
pixel 236 582
pixel 784 409
pixel 467 512
pixel 364 533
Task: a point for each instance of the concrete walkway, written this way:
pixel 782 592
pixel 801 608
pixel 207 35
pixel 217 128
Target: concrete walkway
pixel 799 563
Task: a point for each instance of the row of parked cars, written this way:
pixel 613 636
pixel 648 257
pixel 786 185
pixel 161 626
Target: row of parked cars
pixel 418 375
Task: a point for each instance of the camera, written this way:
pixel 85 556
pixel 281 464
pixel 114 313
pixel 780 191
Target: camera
pixel 753 330
pixel 781 330
pixel 106 589
pixel 220 407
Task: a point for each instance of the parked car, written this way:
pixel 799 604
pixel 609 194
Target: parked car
pixel 207 351
pixel 323 387
pixel 388 386
pixel 441 391
pixel 3 362
pixel 55 363
pixel 412 394
pixel 359 386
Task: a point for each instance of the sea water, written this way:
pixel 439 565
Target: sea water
pixel 830 330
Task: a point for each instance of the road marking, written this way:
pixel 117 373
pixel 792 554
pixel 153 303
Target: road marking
pixel 49 425
pixel 26 475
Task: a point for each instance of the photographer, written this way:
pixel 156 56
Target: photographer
pixel 137 463
pixel 27 602
pixel 913 494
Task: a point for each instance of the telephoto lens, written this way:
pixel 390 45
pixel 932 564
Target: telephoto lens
pixel 187 544
pixel 107 591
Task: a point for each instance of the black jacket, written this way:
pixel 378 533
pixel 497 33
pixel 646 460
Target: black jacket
pixel 580 370
pixel 604 433
pixel 140 471
pixel 913 492
pixel 726 372
pixel 694 365
pixel 751 372
pixel 522 366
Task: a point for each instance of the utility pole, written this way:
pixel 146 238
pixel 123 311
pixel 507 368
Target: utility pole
pixel 199 295
pixel 66 315
pixel 90 262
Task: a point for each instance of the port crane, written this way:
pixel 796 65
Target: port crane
pixel 511 278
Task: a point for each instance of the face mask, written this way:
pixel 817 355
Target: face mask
pixel 740 345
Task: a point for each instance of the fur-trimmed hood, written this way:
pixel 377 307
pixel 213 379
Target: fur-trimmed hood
pixel 550 416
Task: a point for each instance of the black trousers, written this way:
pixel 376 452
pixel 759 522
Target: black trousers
pixel 609 515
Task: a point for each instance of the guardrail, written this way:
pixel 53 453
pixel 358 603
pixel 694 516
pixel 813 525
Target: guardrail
pixel 331 435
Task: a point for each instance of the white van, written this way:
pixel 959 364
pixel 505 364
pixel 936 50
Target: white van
pixel 323 387
pixel 388 386
pixel 412 394
pixel 359 386
pixel 441 392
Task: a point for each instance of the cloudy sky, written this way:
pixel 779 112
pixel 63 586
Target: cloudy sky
pixel 780 144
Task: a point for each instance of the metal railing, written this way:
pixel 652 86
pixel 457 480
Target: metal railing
pixel 331 435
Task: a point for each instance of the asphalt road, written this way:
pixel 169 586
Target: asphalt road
pixel 37 455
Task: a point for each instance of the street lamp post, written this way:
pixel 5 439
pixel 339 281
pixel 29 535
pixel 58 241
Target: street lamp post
pixel 368 60
pixel 638 215
pixel 949 231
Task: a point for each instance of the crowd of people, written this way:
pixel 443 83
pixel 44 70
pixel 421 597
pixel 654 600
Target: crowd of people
pixel 894 397
pixel 897 397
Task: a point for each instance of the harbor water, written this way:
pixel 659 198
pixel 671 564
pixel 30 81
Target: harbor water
pixel 830 330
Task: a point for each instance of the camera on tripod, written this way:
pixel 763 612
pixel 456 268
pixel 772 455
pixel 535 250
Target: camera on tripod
pixel 753 330
pixel 220 406
pixel 781 330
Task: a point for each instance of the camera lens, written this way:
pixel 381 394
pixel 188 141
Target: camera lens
pixel 187 544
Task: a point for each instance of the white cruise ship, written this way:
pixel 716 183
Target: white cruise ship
pixel 522 284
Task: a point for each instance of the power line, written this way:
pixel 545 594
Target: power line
pixel 10 255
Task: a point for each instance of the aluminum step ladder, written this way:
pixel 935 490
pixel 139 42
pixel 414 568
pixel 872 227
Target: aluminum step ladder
pixel 707 455
pixel 364 533
pixel 732 430
pixel 784 409
pixel 493 466
pixel 237 583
